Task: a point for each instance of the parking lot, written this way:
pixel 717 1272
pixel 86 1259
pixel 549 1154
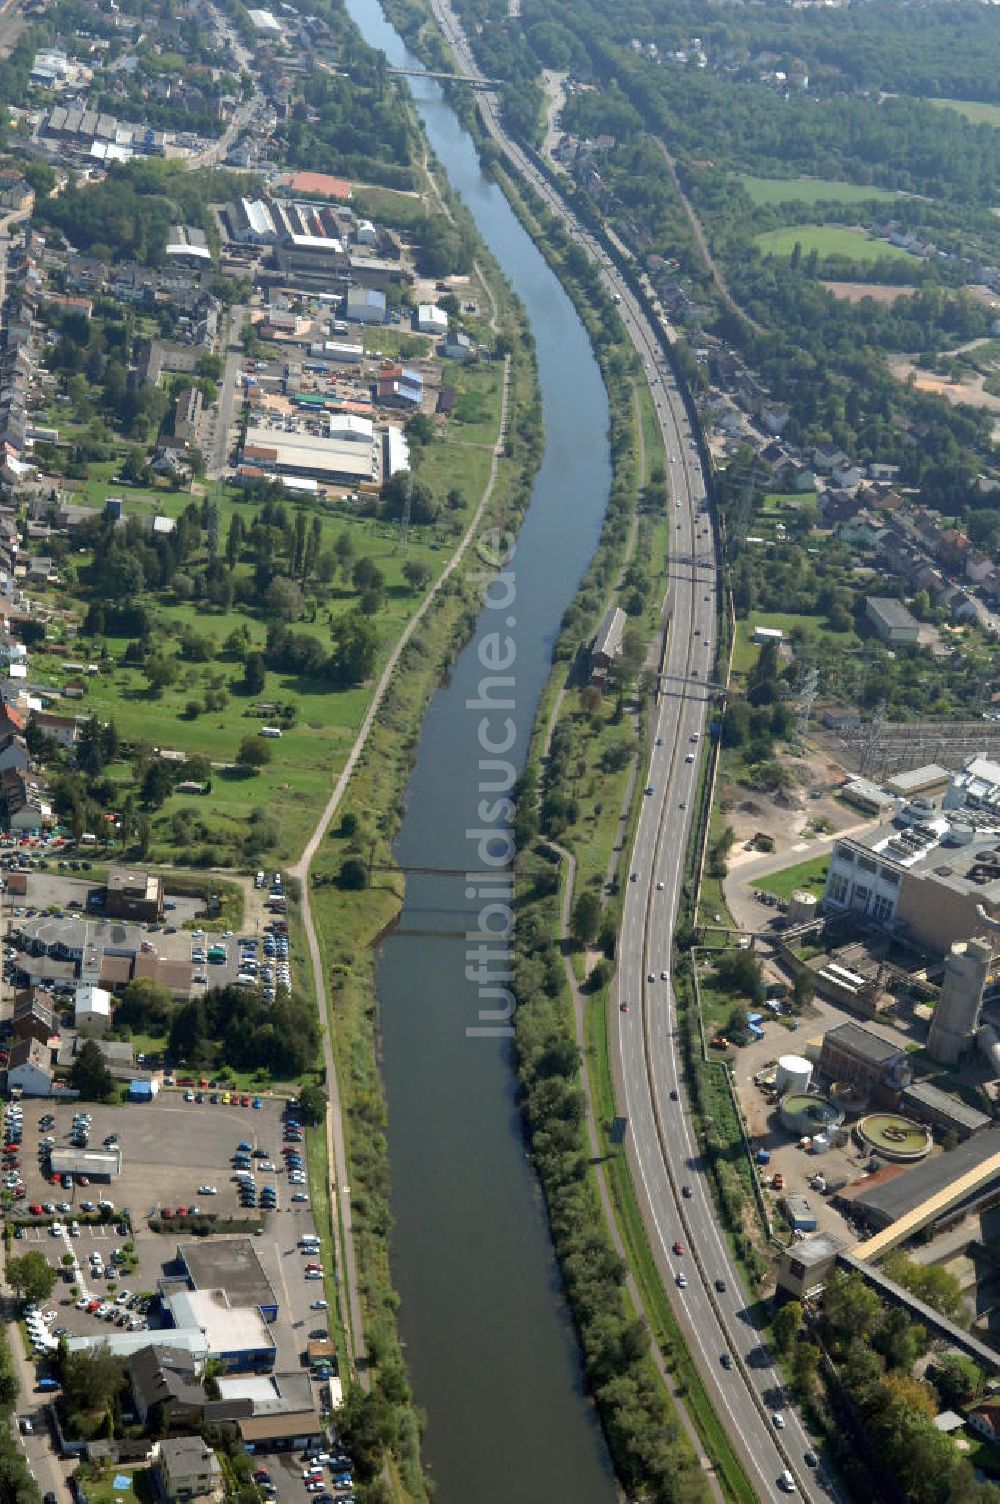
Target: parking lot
pixel 170 1148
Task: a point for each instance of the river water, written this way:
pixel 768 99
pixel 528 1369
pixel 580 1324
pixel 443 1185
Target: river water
pixel 489 1344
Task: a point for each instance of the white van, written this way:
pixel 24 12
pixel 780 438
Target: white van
pixel 787 1482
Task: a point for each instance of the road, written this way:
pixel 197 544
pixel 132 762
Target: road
pixel 217 455
pixel 646 1051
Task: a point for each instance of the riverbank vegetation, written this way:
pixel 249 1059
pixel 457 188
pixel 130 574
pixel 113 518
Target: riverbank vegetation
pixel 382 1428
pixel 592 734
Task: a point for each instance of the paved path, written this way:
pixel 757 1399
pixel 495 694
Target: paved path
pixel 343 1232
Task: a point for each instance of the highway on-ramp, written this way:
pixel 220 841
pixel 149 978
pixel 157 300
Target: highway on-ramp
pixel 667 1167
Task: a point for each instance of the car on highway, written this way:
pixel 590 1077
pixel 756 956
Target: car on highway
pixel 623 1005
pixel 678 1247
pixel 720 1285
pixel 779 1420
pixel 689 757
pixel 664 976
pixel 659 887
pixel 673 1095
pixel 810 1459
pixel 650 789
pixel 682 1280
pixel 651 977
pixel 686 1192
pixel 726 1360
pixel 683 804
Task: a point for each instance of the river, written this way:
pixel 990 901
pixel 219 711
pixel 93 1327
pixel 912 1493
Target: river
pixel 489 1344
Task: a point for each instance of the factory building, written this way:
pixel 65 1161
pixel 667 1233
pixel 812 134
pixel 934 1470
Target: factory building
pixel 853 1054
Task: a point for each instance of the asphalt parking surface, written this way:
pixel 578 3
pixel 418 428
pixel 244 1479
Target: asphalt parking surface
pixel 169 1148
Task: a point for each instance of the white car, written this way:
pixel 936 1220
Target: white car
pixel 318 1305
pixel 207 1190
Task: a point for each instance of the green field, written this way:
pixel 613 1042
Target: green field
pixel 811 191
pixel 810 874
pixel 828 240
pixel 974 110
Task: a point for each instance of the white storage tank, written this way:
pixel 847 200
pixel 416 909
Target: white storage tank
pixel 794 1074
pixel 802 907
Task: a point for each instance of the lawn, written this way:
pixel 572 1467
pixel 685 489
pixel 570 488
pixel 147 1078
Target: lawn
pixel 974 110
pixel 811 191
pixel 810 874
pixel 745 652
pixel 829 240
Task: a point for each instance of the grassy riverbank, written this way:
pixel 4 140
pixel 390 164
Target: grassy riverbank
pixel 349 922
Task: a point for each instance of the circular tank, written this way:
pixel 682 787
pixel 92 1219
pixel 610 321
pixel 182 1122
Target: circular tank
pixel 794 1073
pixel 802 907
pixel 806 1114
pixel 893 1137
pixel 959 834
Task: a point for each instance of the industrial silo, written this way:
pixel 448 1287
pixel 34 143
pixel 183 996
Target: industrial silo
pixel 794 1074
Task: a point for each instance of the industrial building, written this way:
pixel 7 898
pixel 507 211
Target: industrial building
pixel 229 1264
pixel 430 319
pixel 132 894
pixel 236 1336
pixel 97 1164
pixel 976 789
pixel 852 1054
pixel 929 1104
pixel 936 880
pixel 607 643
pixel 892 622
pixel 928 1190
pixel 314 456
pixel 364 305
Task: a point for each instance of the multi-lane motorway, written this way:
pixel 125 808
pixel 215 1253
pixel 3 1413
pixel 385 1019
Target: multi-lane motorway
pixel 670 1182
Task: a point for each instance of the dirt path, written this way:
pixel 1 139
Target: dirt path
pixel 699 235
pixel 343 1232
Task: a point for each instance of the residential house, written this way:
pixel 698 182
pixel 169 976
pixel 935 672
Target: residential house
pixel 27 807
pixel 864 529
pixel 61 728
pixel 978 566
pixel 92 1009
pixel 878 471
pixel 962 606
pixel 13 752
pixel 29 1068
pixel 826 458
pixel 166 1390
pixel 985 1421
pixel 845 478
pixel 186 1468
pixel 33 1017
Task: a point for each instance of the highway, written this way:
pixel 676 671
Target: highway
pixel 670 1183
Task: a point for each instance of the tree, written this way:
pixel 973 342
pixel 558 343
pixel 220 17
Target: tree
pixel 851 1310
pixel 803 988
pixel 739 971
pixel 32 1276
pixel 787 1325
pixel 160 671
pixel 90 1075
pixel 417 574
pixel 283 600
pixel 92 1380
pixel 254 753
pixel 353 876
pixel 805 1366
pixel 312 1103
pixel 254 674
pixel 586 918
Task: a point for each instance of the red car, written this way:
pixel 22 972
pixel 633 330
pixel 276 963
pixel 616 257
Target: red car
pixel 244 1101
pixel 182 1211
pixel 36 1210
pixel 678 1247
pixel 166 1213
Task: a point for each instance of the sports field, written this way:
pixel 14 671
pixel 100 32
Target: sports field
pixel 828 240
pixel 811 191
pixel 974 110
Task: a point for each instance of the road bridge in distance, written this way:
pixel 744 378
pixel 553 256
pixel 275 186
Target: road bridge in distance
pixel 454 78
